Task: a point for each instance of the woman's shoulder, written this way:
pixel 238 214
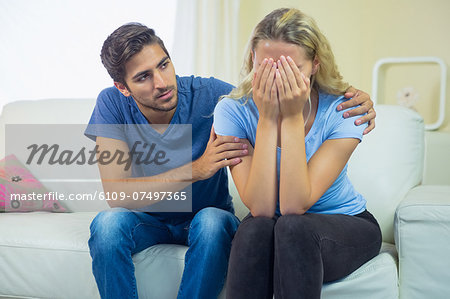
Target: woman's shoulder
pixel 234 102
pixel 335 124
pixel 234 105
pixel 330 101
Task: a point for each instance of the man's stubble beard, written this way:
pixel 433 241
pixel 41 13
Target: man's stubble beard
pixel 154 106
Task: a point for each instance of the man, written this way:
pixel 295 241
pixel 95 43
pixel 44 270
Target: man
pixel 147 92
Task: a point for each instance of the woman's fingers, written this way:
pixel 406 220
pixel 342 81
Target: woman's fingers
pixel 275 90
pixel 257 79
pixel 270 80
pixel 279 83
pixel 266 76
pixel 283 77
pixel 290 76
pixel 295 70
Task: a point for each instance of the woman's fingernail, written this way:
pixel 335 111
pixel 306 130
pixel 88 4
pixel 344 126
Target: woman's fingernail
pixel 346 114
pixel 358 122
pixel 339 108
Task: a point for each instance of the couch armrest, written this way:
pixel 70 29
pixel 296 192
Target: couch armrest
pixel 422 237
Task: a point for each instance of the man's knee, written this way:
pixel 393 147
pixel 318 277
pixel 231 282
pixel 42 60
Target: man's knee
pixel 108 226
pixel 213 223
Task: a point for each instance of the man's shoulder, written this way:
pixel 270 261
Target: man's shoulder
pixel 193 83
pixel 110 93
pixel 112 97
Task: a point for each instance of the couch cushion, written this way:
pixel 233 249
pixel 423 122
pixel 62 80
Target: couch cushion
pixel 375 279
pixel 422 225
pixel 388 163
pixel 159 270
pixel 51 111
pixel 55 111
pixel 45 255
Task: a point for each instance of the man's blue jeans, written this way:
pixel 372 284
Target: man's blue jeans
pixel 119 233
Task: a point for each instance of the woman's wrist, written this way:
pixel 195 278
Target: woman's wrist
pixel 268 119
pixel 293 119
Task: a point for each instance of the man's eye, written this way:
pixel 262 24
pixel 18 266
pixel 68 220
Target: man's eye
pixel 165 64
pixel 143 77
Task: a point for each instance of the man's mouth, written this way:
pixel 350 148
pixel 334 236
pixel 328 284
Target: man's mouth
pixel 166 95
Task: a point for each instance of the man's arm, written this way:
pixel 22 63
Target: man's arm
pixel 220 152
pixel 359 97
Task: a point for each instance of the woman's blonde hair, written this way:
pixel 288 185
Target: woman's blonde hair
pixel 293 27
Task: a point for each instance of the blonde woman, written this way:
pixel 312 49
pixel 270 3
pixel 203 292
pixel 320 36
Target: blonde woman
pixel 307 224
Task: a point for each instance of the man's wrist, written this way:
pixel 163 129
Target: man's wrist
pixel 195 172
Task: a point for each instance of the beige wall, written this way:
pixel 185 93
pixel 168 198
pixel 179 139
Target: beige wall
pixel 363 31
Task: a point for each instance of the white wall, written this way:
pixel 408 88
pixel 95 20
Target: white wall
pixel 51 48
pixel 363 31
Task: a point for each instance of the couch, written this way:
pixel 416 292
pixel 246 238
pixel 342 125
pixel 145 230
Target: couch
pixel 45 254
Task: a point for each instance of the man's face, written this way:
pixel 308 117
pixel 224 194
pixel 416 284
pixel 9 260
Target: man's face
pixel 151 81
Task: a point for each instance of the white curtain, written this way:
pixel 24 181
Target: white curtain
pixel 206 39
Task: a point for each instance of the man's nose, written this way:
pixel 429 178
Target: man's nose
pixel 159 81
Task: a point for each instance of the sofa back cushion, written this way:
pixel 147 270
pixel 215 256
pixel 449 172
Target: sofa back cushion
pixel 49 111
pixel 55 111
pixel 389 162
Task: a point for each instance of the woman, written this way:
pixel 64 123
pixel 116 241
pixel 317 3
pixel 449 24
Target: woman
pixel 307 224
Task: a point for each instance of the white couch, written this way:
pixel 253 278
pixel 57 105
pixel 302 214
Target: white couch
pixel 45 255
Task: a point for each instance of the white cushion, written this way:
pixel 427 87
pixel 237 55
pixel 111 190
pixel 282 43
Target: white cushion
pixel 50 111
pixel 374 280
pixel 437 162
pixel 46 255
pixel 388 163
pixel 422 237
pixel 56 111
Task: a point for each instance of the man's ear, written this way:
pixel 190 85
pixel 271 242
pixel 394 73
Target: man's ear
pixel 122 88
pixel 316 65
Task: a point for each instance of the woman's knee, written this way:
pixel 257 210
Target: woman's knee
pixel 296 228
pixel 256 229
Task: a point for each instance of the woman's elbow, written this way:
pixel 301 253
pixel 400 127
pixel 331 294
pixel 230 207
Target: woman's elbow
pixel 262 213
pixel 292 211
pixel 261 210
pixel 292 208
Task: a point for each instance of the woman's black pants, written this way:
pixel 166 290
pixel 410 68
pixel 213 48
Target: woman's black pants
pixel 292 256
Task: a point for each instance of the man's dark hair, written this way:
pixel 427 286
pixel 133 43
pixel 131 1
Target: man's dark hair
pixel 122 44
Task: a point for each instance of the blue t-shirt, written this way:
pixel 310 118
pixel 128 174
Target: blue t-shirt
pixel 240 119
pixel 197 98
